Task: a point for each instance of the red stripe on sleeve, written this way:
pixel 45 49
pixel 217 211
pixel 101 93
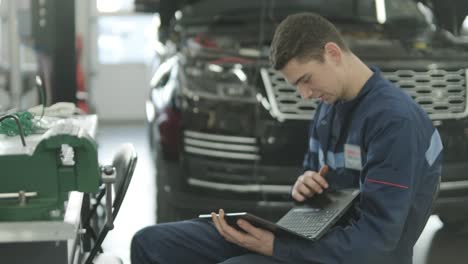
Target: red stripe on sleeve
pixel 388 183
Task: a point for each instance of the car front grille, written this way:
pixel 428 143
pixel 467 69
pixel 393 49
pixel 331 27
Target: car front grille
pixel 441 93
pixel 221 146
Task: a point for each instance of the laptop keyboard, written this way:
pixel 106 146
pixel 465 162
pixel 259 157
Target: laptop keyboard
pixel 308 222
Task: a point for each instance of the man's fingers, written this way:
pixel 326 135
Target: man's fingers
pixel 311 178
pixel 221 222
pixel 297 196
pixel 249 228
pixel 255 239
pixel 311 185
pixel 323 171
pixel 302 191
pixel 217 222
pixel 231 234
pixel 306 190
pixel 215 219
pixel 320 180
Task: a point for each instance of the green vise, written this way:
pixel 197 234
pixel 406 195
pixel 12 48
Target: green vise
pixel 35 180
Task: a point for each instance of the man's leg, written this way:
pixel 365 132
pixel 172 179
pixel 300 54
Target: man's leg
pixel 252 258
pixel 193 241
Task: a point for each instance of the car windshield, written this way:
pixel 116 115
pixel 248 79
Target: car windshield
pixel 363 11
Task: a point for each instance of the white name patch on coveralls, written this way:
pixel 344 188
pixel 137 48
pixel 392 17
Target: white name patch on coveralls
pixel 352 154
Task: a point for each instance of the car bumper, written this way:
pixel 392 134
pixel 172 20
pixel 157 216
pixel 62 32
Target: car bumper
pixel 452 200
pixel 453 196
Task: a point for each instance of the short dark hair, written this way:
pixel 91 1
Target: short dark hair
pixel 302 36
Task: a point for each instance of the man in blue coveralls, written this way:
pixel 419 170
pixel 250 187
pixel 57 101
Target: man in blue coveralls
pixel 368 133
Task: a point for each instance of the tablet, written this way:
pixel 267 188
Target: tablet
pixel 311 220
pixel 231 219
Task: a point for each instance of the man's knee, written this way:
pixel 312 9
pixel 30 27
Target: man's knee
pixel 145 243
pixel 251 258
pixel 137 240
pixel 150 234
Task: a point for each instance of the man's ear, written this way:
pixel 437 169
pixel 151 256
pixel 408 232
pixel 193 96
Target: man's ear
pixel 333 52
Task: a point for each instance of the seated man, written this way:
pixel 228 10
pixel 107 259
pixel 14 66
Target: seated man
pixel 367 131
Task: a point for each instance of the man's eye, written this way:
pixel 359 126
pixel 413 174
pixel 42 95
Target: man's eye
pixel 306 80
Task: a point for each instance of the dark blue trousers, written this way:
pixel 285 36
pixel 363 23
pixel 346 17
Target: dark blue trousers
pixel 194 241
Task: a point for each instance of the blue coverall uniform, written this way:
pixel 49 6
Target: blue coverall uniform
pixel 383 143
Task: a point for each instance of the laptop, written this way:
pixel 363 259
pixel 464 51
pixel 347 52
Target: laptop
pixel 311 220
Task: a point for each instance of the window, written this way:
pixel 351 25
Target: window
pixel 111 6
pixel 126 39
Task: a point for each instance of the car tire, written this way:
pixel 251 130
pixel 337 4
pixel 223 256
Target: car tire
pixel 164 211
pixel 166 180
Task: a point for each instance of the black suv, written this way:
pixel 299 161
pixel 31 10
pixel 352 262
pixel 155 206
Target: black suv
pixel 229 132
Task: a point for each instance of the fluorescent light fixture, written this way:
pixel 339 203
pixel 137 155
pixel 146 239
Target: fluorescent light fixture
pixel 108 6
pixel 381 12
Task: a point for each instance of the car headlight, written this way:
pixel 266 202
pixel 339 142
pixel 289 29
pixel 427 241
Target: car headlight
pixel 218 83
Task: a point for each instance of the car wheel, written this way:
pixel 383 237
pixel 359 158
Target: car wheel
pixel 164 211
pixel 166 180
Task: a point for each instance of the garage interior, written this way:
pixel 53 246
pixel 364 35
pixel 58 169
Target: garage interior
pixel 120 78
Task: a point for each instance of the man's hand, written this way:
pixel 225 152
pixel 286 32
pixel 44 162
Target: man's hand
pixel 309 184
pixel 254 239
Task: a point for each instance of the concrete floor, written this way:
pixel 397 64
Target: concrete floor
pixel 435 246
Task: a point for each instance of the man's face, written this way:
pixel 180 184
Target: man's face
pixel 315 79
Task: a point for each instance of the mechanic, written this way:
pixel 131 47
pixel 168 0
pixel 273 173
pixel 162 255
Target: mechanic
pixel 368 132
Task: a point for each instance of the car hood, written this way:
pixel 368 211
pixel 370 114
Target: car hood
pixel 427 43
pixel 225 26
pixel 367 44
